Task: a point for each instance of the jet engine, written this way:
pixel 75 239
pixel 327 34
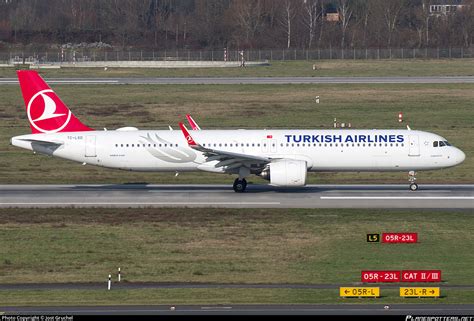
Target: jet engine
pixel 286 172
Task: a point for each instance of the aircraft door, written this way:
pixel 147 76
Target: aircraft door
pixel 269 146
pixel 414 146
pixel 273 145
pixel 90 146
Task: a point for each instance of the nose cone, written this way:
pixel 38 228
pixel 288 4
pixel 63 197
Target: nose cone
pixel 458 156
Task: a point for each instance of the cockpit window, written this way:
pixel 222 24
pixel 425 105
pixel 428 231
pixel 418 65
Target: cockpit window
pixel 441 144
pixel 435 144
pixel 447 144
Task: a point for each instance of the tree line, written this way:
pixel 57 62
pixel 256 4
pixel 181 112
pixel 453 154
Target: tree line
pixel 244 24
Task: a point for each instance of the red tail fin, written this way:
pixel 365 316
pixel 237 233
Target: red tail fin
pixel 46 112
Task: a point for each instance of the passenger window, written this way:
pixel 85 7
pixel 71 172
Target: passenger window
pixel 435 144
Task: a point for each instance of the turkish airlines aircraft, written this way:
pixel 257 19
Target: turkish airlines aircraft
pixel 281 156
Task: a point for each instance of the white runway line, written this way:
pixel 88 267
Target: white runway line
pixel 397 197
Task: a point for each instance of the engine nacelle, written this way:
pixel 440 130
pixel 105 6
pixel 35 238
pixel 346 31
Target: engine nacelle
pixel 286 172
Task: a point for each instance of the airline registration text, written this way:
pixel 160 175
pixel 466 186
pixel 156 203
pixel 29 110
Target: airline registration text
pixel 344 139
pixel 75 137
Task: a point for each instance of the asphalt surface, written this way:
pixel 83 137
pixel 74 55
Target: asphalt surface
pixel 255 80
pixel 256 196
pixel 254 309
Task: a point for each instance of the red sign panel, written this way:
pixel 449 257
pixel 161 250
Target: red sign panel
pixel 421 276
pixel 399 237
pixel 380 276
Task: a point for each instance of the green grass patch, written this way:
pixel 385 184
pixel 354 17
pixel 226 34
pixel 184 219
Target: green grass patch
pixel 176 297
pixel 301 68
pixel 445 109
pixel 303 246
pixel 228 245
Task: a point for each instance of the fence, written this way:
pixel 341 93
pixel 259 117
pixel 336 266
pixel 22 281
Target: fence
pixel 80 55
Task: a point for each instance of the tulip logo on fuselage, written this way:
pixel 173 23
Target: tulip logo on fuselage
pixel 43 115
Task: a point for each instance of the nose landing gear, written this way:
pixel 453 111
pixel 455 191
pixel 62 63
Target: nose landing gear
pixel 412 180
pixel 240 185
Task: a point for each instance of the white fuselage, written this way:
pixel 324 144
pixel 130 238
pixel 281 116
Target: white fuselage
pixel 323 150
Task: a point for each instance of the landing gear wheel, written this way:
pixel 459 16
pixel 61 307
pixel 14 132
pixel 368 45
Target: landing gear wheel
pixel 240 185
pixel 414 186
pixel 412 180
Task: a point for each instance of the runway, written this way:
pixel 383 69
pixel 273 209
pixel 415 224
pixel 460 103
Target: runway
pixel 253 80
pixel 252 309
pixel 223 196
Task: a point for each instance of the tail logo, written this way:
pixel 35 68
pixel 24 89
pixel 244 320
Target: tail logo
pixel 41 108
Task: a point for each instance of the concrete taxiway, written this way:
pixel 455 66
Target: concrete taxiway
pixel 251 309
pixel 254 80
pixel 256 196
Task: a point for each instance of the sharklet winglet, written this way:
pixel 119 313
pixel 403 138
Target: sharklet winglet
pixel 188 137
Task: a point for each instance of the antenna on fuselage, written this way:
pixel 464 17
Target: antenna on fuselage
pixel 170 127
pixel 408 127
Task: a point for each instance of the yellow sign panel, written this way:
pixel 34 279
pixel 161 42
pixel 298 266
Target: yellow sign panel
pixel 359 292
pixel 419 292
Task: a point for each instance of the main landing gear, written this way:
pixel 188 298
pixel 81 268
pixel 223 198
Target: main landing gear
pixel 240 185
pixel 412 180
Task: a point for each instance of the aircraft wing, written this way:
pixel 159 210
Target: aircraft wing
pixel 43 146
pixel 228 159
